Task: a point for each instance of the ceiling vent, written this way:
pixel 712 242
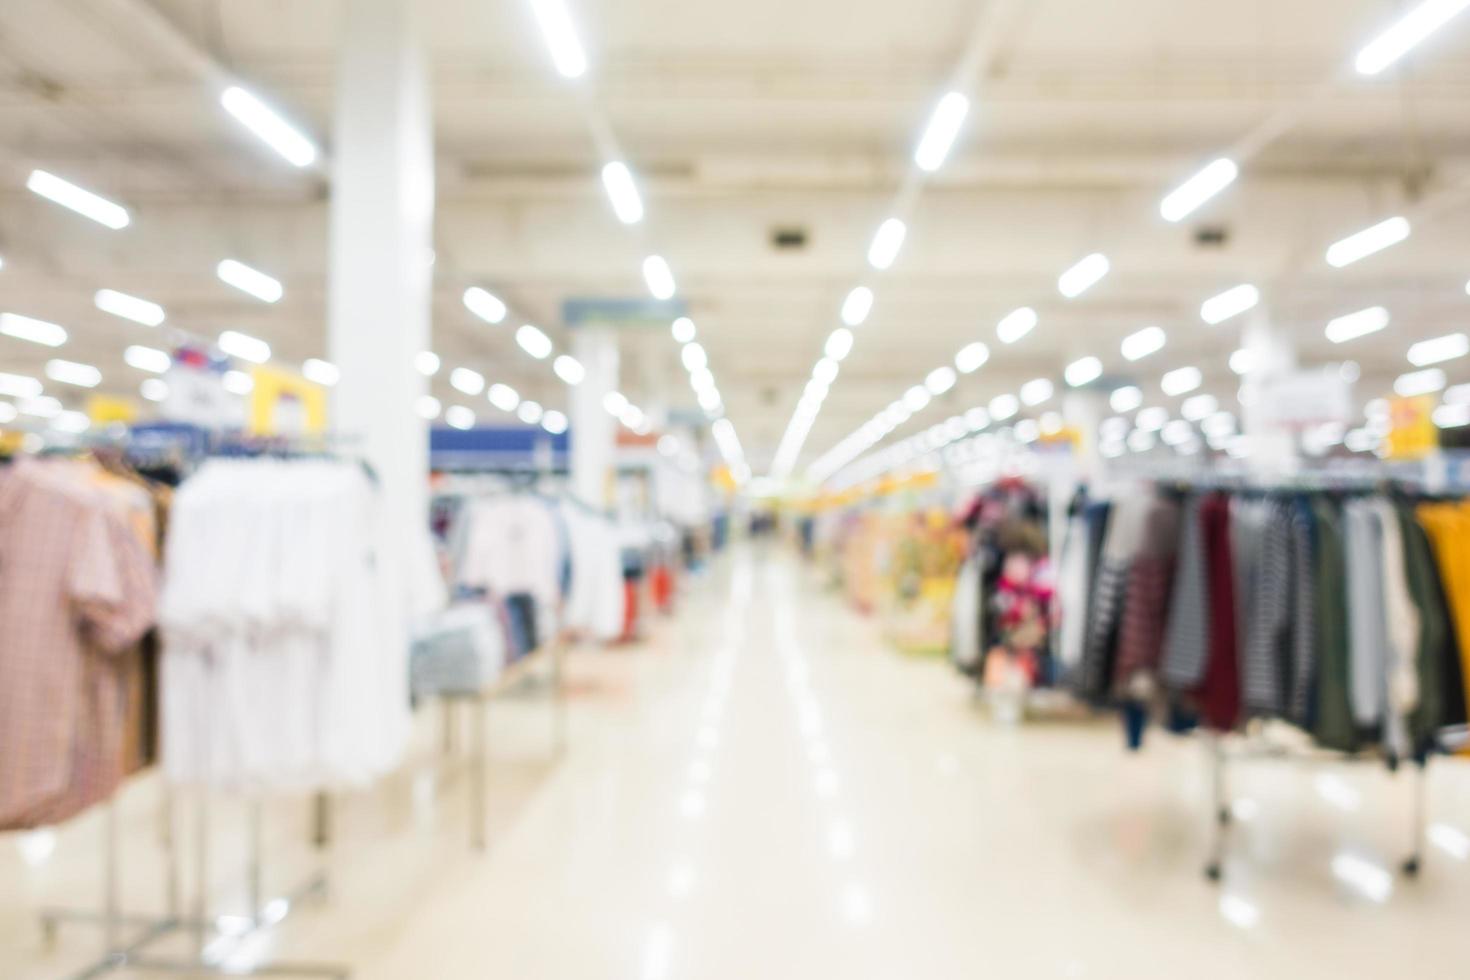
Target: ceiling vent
pixel 1211 236
pixel 788 239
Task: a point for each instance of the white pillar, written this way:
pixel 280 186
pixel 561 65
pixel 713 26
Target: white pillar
pixel 594 431
pixel 1273 447
pixel 382 213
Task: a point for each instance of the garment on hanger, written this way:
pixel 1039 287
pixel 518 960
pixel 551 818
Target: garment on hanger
pixel 77 592
pixel 286 613
pixel 1345 617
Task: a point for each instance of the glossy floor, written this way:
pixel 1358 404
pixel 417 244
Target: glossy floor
pixel 765 790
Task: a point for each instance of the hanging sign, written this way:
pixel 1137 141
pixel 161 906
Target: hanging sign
pixel 107 410
pixel 621 313
pixel 285 404
pixel 196 391
pixel 1299 400
pixel 1412 433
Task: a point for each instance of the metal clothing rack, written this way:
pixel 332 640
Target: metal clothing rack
pixel 477 762
pixel 1222 816
pixel 131 953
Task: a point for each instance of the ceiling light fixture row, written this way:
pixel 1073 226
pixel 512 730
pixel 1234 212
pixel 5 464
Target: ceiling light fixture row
pixel 619 181
pixel 1212 179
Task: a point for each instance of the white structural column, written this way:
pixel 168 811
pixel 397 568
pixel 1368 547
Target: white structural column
pixel 594 430
pixel 1274 447
pixel 382 215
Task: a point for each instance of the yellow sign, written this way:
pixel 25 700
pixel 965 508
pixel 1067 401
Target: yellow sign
pixel 285 404
pixel 1412 433
pixel 105 410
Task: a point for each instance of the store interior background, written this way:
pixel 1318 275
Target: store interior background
pixel 451 187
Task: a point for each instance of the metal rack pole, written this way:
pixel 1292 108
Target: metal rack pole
pixel 1414 863
pixel 479 764
pixel 1219 807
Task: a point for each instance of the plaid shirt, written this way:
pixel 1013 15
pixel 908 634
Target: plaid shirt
pixel 75 588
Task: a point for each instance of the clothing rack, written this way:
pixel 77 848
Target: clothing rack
pixel 1222 816
pixel 477 762
pixel 206 930
pixel 1225 741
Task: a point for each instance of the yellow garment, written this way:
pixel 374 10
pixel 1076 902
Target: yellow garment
pixel 1448 527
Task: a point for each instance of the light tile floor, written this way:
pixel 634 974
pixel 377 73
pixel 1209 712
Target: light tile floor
pixel 764 790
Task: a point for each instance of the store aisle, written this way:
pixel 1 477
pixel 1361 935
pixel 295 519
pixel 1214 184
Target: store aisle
pixel 765 790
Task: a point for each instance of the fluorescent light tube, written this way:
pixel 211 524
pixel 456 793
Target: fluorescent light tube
pixel 693 357
pixel 19 386
pixel 1423 382
pixel 839 343
pixel 128 307
pixel 615 403
pixel 468 381
pixel 1199 407
pixel 971 357
pixel 1406 33
pixel 324 373
pixel 1037 391
pixel 1452 416
pixel 561 37
pixel 886 243
pixel 857 306
pixel 78 199
pixel 267 124
pixel 1137 346
pixel 248 280
pixel 916 398
pixel 683 330
pixel 1439 349
pixel 939 135
pixel 1177 432
pixel 1082 276
pixel 1189 196
pixel 1083 371
pixel 1003 407
pixel 530 412
pixel 504 397
pixel 1232 302
pixel 1126 399
pixel 618 180
pixel 1152 419
pixel 533 342
pixel 1244 361
pixel 29 328
pixel 41 406
pixel 1015 325
pixel 460 417
pixel 1366 242
pixel 147 359
pixel 1354 325
pixel 825 371
pixel 940 380
pixel 701 379
pixel 1181 381
pixel 244 346
pixel 484 304
pixel 569 369
pixel 554 422
pixel 428 407
pixel 154 389
pixel 73 422
pixel 659 277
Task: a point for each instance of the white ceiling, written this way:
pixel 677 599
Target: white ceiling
pixel 739 118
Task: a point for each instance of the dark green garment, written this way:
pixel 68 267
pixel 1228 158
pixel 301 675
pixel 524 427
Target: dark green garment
pixel 1434 629
pixel 1334 727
